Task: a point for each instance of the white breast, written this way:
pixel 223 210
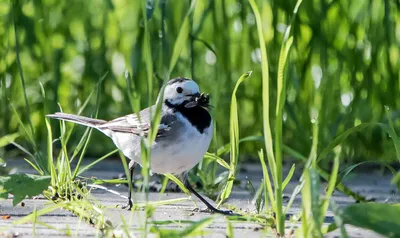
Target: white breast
pixel 184 152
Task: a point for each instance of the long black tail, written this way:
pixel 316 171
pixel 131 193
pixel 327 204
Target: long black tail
pixel 86 121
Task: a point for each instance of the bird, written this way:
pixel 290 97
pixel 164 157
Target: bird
pixel 183 137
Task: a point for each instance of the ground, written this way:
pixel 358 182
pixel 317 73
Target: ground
pixel 372 184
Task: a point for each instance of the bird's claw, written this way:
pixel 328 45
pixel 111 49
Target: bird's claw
pixel 228 213
pixel 223 212
pixel 128 206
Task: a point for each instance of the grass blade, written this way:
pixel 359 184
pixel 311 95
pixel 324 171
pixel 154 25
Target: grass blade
pixel 181 39
pixel 27 132
pixel 21 74
pixel 265 90
pixel 126 170
pixel 7 139
pixel 34 166
pixel 50 164
pixel 331 184
pixel 217 159
pixel 314 184
pixel 234 142
pixel 268 191
pixel 281 98
pixel 306 203
pixel 392 132
pixel 288 177
pixel 89 130
pixel 179 183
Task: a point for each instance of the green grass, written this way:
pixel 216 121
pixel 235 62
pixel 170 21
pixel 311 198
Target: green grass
pixel 323 91
pixel 336 45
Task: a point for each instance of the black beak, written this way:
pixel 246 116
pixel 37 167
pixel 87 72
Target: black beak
pixel 198 99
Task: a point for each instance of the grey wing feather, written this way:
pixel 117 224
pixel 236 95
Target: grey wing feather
pixel 132 124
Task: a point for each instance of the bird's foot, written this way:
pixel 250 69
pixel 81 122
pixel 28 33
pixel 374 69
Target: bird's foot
pixel 128 206
pixel 223 212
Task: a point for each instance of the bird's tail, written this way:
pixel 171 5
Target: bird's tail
pixel 86 121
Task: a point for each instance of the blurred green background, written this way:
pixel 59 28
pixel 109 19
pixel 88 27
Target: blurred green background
pixel 343 68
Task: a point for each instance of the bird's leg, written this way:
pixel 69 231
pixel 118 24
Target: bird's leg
pixel 209 206
pixel 132 166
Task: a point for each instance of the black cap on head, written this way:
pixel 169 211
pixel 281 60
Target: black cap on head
pixel 178 80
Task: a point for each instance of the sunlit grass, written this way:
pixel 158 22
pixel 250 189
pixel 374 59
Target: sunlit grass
pixel 123 42
pixel 308 118
pixel 234 143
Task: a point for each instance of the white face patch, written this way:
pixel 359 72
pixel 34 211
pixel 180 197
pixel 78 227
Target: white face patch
pixel 178 92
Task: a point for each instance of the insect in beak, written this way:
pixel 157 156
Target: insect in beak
pixel 201 100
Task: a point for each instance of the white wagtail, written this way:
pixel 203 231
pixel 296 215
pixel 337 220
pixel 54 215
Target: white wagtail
pixel 184 133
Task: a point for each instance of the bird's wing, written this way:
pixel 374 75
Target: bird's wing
pixel 140 126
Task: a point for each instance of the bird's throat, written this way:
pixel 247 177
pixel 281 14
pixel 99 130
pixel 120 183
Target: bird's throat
pixel 198 116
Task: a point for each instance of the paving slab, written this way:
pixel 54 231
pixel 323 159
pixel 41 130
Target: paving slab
pixel 60 223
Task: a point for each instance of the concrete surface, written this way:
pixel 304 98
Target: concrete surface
pixel 56 223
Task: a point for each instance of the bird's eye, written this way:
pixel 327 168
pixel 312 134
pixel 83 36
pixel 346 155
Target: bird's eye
pixel 179 90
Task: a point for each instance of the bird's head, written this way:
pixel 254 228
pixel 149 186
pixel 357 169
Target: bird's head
pixel 184 92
